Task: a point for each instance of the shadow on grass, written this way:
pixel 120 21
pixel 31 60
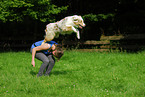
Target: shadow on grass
pixel 33 73
pixel 53 73
pixel 59 72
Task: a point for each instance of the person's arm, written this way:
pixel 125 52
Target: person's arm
pixel 39 48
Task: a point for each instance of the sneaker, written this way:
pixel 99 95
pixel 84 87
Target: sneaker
pixel 38 75
pixel 46 75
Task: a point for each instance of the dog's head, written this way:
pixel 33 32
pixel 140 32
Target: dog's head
pixel 78 21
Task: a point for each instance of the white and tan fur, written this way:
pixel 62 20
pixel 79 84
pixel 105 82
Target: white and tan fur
pixel 67 25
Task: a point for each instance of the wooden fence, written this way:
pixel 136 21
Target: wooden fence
pixel 16 43
pixel 106 43
pixel 130 42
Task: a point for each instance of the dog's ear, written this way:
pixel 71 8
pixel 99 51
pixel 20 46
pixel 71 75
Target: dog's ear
pixel 75 19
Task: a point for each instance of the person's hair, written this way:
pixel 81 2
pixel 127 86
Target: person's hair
pixel 59 51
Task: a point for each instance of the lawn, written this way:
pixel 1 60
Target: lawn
pixel 77 74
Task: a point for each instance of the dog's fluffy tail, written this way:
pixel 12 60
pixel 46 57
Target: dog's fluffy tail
pixel 47 38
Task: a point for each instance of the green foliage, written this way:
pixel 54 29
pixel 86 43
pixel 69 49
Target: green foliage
pixel 77 74
pixel 16 10
pixel 98 17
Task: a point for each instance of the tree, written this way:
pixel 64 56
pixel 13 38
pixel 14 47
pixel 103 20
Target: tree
pixel 17 10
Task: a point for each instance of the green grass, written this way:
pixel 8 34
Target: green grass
pixel 77 74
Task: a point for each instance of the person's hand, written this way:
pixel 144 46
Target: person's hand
pixel 33 63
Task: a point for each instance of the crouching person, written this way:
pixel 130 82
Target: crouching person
pixel 46 53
